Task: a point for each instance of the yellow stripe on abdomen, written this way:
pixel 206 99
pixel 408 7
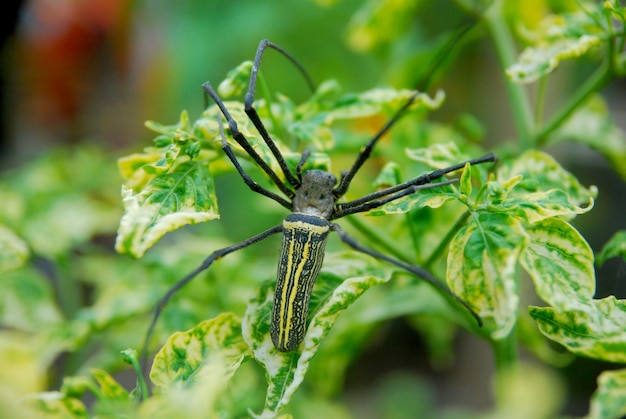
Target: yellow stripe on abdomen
pixel 299 264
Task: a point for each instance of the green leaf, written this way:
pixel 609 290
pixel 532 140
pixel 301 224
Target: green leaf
pixel 607 402
pixel 193 369
pixel 481 268
pixel 436 156
pixel 187 354
pixel 183 196
pixel 54 404
pixel 616 246
pixel 594 329
pixel 380 22
pixel 536 62
pixel 560 262
pixel 236 81
pixel 13 250
pixel 109 388
pixel 312 121
pixel 542 174
pixel 558 38
pixel 27 300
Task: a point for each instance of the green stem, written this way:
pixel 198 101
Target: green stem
pixel 443 244
pixel 541 100
pixel 380 240
pixel 506 359
pixel 506 51
pixel 593 84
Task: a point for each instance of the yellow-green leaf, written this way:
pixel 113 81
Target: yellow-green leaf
pixel 594 329
pixel 560 262
pixel 183 196
pixel 481 268
pixel 607 402
pixel 13 250
pixel 189 353
pixel 616 246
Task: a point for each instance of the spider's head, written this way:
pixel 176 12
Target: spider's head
pixel 315 194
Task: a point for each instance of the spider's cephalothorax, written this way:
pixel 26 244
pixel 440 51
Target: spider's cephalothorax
pixel 313 206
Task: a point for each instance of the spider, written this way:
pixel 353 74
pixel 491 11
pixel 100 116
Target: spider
pixel 313 198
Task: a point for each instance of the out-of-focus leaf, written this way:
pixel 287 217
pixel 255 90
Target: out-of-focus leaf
pixel 236 81
pixel 607 402
pixel 13 250
pixel 557 38
pixel 536 62
pixel 54 404
pixel 616 246
pixel 378 22
pixel 593 126
pixel 27 301
pixel 60 200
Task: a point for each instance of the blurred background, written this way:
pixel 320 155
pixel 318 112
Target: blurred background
pixel 92 71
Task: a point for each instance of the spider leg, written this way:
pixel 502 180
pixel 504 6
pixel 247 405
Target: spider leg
pixel 366 151
pixel 246 178
pixel 205 265
pixel 407 188
pixel 254 116
pixel 414 269
pixel 375 203
pixel 243 142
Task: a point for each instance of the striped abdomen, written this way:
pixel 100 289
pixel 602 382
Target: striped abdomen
pixel 301 257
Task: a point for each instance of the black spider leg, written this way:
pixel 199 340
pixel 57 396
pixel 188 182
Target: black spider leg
pixel 414 269
pixel 366 151
pixel 392 193
pixel 205 265
pixel 375 203
pixel 246 178
pixel 254 116
pixel 243 142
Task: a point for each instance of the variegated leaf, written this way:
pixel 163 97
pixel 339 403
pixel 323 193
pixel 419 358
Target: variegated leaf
pixel 481 268
pixel 183 196
pixel 594 329
pixel 560 262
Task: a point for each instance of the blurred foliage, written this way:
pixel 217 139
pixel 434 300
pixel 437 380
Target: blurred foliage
pixel 70 307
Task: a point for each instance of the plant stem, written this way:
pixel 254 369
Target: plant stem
pixel 506 50
pixel 377 238
pixel 592 85
pixel 506 359
pixel 443 244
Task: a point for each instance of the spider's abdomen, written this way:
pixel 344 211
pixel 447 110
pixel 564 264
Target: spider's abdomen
pixel 299 264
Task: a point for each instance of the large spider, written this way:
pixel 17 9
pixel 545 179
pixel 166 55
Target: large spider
pixel 313 198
